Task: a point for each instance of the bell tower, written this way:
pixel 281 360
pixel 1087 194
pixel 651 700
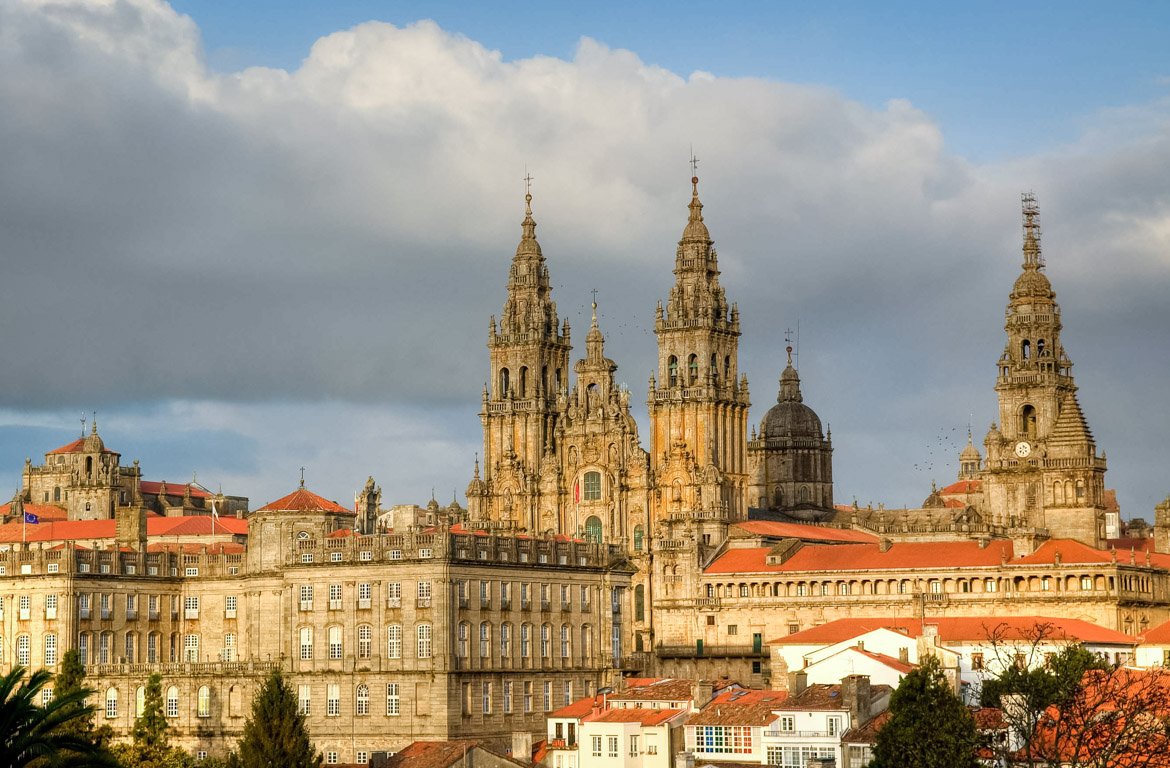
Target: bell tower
pixel 698 403
pixel 529 353
pixel 1042 469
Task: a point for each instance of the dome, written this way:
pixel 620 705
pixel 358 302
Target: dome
pixel 93 444
pixel 1032 283
pixel 790 418
pixel 970 453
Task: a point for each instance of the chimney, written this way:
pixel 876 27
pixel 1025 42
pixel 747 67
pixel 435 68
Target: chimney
pixel 702 691
pixel 522 746
pixel 885 544
pixel 855 696
pixel 797 682
pixel 904 655
pixel 684 760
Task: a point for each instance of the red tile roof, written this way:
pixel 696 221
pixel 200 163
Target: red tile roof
pixel 748 696
pixel 154 487
pixel 962 487
pixel 438 754
pixel 897 665
pixel 86 530
pixel 855 557
pixel 641 716
pixel 304 500
pixel 1075 552
pixel 960 628
pixel 1158 634
pixel 578 708
pixel 804 532
pixel 76 447
pixel 43 511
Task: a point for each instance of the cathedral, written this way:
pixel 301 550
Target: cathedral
pixel 586 553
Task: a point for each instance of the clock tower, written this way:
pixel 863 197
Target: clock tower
pixel 1043 470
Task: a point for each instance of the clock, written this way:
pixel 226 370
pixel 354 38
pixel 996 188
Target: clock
pixel 1023 449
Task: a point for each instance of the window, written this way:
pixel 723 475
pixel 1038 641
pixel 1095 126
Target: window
pixel 203 702
pixel 485 594
pixel 787 723
pixel 51 606
pixel 229 646
pixel 547 699
pixel 733 629
pixel 362 700
pixel 25 603
pixel 103 647
pixel 191 648
pixel 395 554
pixel 364 593
pixel 82 648
pixel 834 725
pixel 592 486
pixel 46 695
pixel 331 758
pixel 111 703
pixel 424 553
pixel 424 594
pixel 139 701
pixel 596 743
pixel 365 641
pixel 23 650
pixel 50 649
pixel 566 649
pixel 332 700
pixel 83 606
pixel 336 557
pixel 173 701
pixel 506 641
pixel 393 701
pixel 639 536
pixel 423 636
pixel 128 647
pixel 525 641
pixel 545 641
pixel 485 697
pixel 507 696
pixel 306 597
pixel 1045 584
pixel 190 607
pixel 394 594
pixel 1086 583
pixel 465 698
pixel 633 746
pixel 394 641
pixel 485 640
pixel 989 585
pixel 305 699
pixel 611 743
pixel 306 643
pixel 306 557
pixel 335 642
pixel 335 597
pixel 527 695
pixel 229 607
pixel 976 661
pixel 935 587
pixel 727 739
pixel 584 596
pixel 152 648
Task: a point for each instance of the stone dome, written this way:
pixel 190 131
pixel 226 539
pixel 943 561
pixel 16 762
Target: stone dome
pixel 1032 283
pixel 790 417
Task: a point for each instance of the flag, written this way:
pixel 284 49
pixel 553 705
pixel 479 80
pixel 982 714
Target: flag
pixel 577 492
pixel 214 513
pixel 31 519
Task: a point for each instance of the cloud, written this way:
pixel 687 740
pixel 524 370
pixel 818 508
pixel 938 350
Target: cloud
pixel 335 238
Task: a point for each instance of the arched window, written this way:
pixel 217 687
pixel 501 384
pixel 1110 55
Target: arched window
pixel 593 529
pixel 50 650
pixel 727 368
pixel 672 371
pixel 525 641
pixel 523 382
pixel 639 534
pixel 335 650
pixel 23 650
pixel 1039 347
pixel 57 493
pixel 306 643
pixel 586 642
pixel 1026 349
pixel 485 640
pixel 714 369
pixel 88 468
pixel 234 701
pixel 566 641
pixel 423 636
pixel 545 641
pixel 461 647
pixel 139 701
pixel 640 603
pixel 505 641
pixel 111 703
pixel 803 494
pixel 592 490
pixel 692 369
pixel 504 382
pixel 362 703
pixel 173 701
pixel 394 641
pixel 203 702
pixel 365 641
pixel 1028 421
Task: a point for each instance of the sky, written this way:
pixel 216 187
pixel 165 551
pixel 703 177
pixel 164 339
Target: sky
pixel 263 236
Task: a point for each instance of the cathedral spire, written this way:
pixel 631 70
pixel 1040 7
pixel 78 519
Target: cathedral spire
pixel 1031 211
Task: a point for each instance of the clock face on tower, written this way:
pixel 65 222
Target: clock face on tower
pixel 1023 449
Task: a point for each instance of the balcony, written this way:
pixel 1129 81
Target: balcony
pixel 702 650
pixel 505 604
pixel 422 602
pixel 363 603
pixel 394 602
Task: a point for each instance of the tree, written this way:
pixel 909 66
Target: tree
pixel 275 733
pixel 928 727
pixel 150 747
pixel 32 734
pixel 68 681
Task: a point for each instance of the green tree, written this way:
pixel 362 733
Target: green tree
pixel 928 726
pixel 150 727
pixel 275 733
pixel 32 734
pixel 69 680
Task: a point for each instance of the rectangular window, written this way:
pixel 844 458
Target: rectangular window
pixel 129 648
pixel 633 746
pixel 191 571
pixel 394 594
pixel 191 648
pixel 394 641
pixel 393 702
pixel 306 557
pixel 424 641
pixel 152 648
pixel 24 650
pixel 229 607
pixel 596 744
pixel 527 695
pixel 584 595
pixel 190 607
pixel 50 606
pixel 330 758
pixel 335 642
pixel 424 594
pixel 547 699
pixel 306 643
pixel 152 607
pixel 733 629
pixel 229 646
pixel 104 603
pixel 485 594
pixel 131 607
pixel 611 743
pixel 592 490
pixel 332 700
pixel 53 568
pixel 336 557
pixel 485 696
pixel 104 647
pixel 508 696
pixel 25 606
pixel 306 597
pixel 365 591
pixel 335 597
pixel 50 650
pixel 83 648
pixel 365 641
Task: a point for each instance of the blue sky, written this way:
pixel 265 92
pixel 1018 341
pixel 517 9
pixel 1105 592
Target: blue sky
pixel 1002 78
pixel 259 236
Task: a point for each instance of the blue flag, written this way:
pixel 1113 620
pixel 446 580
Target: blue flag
pixel 31 519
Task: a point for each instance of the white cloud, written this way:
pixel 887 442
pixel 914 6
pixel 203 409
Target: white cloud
pixel 341 233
